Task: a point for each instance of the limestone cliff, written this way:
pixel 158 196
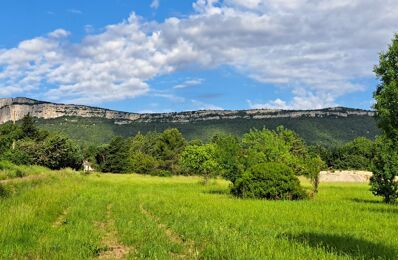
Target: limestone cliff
pixel 16 108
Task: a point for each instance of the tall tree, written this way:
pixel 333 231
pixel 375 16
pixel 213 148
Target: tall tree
pixel 169 146
pixel 114 158
pixel 200 160
pixel 386 96
pixel 28 127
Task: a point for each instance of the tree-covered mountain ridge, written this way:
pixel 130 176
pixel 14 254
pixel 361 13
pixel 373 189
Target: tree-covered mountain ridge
pixel 16 108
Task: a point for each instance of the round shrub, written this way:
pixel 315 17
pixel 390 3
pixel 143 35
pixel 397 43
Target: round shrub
pixel 273 181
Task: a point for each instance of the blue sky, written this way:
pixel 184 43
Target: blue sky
pixel 157 56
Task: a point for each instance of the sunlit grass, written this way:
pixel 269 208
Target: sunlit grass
pixel 177 217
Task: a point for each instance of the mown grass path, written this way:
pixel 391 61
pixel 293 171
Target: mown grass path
pixel 141 217
pixel 188 248
pixel 113 248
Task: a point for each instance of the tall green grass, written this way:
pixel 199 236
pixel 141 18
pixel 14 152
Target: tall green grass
pixel 177 217
pixel 9 170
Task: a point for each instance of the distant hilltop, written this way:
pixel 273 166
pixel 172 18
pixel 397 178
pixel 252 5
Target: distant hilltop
pixel 16 108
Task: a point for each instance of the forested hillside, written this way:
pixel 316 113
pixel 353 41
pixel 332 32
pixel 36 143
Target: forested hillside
pixel 314 130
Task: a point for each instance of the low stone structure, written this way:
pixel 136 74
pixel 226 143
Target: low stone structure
pixel 87 166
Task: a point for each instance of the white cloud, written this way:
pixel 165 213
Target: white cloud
pixel 75 11
pixel 155 4
pixel 273 104
pixel 302 100
pixel 189 83
pixel 204 106
pixel 320 46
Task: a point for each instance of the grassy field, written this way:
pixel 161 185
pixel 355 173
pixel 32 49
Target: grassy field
pixel 71 216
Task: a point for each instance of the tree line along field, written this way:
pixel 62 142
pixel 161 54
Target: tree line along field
pixel 67 215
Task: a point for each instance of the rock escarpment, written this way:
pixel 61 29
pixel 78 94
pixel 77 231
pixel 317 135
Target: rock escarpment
pixel 16 108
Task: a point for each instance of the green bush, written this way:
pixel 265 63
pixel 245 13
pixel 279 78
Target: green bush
pixel 4 191
pixel 385 168
pixel 6 165
pixel 273 181
pixel 200 160
pixel 19 173
pixel 142 163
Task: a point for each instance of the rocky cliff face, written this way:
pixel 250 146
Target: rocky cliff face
pixel 16 108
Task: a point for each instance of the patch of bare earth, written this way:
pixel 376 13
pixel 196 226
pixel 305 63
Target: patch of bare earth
pixel 345 176
pixel 61 220
pixel 189 250
pixel 114 249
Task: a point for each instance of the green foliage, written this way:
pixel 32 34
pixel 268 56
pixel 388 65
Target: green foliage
pixel 313 166
pixel 273 181
pixel 28 128
pixel 354 155
pixel 169 145
pixel 143 163
pixel 386 94
pixel 282 146
pixel 25 144
pixel 385 162
pixel 328 131
pixel 17 156
pixel 4 191
pixel 8 134
pixel 229 156
pixel 114 157
pixel 385 169
pixel 296 145
pixel 154 152
pixel 265 146
pixel 58 152
pixel 200 160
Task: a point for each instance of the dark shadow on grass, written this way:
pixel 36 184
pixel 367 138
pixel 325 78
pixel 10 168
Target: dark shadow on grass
pixel 366 201
pixel 385 210
pixel 218 191
pixel 345 245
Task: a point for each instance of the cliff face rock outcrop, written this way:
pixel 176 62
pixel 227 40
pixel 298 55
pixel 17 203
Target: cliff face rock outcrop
pixel 16 108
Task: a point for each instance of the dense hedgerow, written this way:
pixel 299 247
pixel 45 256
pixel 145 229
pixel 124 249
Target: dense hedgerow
pixel 25 144
pixel 272 181
pixel 354 155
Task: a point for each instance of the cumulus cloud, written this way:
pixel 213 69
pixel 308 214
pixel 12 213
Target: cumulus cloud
pixel 314 49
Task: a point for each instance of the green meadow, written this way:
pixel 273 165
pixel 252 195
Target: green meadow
pixel 67 215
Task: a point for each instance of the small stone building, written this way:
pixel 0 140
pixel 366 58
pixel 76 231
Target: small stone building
pixel 87 166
